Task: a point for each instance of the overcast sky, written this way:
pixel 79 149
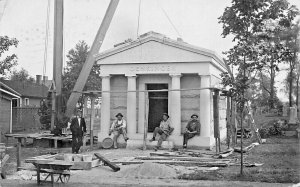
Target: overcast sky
pixel 195 20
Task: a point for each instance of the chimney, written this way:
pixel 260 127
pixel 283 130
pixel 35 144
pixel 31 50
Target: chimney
pixel 38 79
pixel 179 40
pixel 45 79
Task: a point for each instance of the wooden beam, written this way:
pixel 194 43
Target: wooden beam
pixel 87 67
pixel 171 162
pixel 107 162
pixel 58 49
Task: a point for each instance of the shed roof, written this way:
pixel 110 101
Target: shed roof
pixel 28 89
pixel 8 90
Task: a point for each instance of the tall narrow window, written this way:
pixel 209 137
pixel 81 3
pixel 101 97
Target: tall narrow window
pixel 26 101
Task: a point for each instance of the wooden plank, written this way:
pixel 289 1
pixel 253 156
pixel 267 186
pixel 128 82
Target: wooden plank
pixel 182 159
pixel 171 162
pixel 167 154
pixel 226 153
pixel 107 162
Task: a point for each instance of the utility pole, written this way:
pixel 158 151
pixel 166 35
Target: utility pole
pixel 87 67
pixel 58 55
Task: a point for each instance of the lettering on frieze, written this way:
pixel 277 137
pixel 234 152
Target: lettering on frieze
pixel 152 68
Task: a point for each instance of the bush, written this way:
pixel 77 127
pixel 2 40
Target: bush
pixel 275 129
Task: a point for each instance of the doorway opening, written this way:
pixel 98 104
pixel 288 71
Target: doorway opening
pixel 158 104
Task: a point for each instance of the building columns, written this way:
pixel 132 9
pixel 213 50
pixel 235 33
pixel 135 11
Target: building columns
pixel 175 109
pixel 105 105
pixel 131 105
pixel 205 106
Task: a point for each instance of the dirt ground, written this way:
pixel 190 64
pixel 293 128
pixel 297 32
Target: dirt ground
pixel 279 155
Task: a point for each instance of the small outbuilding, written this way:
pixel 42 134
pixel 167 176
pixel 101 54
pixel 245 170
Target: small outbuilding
pixel 180 76
pixel 7 95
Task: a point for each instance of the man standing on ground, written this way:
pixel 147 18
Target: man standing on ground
pixel 78 129
pixel 192 129
pixel 164 129
pixel 118 127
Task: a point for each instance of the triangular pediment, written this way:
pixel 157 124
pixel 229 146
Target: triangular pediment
pixel 156 49
pixel 153 52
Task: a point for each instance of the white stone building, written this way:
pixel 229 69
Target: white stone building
pixel 155 62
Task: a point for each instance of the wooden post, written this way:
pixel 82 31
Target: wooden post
pixel 18 155
pixel 233 122
pixel 58 47
pixel 38 174
pixel 228 126
pixel 53 113
pixel 92 121
pixel 216 120
pixel 146 121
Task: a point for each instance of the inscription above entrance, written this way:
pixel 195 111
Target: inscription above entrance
pixel 152 68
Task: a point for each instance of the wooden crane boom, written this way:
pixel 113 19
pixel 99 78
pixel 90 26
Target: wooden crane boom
pixel 87 67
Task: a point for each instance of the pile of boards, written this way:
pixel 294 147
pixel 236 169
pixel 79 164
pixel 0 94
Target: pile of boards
pixel 184 158
pixel 78 160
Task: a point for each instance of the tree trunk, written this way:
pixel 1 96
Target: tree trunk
pixel 272 90
pixel 291 85
pixel 297 93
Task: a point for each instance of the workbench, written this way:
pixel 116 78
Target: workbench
pixel 43 139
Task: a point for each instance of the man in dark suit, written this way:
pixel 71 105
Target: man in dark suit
pixel 78 129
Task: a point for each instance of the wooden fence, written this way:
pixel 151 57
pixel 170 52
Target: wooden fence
pixel 25 119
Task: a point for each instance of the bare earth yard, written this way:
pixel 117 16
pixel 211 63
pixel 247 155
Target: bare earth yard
pixel 280 156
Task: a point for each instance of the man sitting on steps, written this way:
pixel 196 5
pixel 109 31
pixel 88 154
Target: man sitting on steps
pixel 164 129
pixel 192 128
pixel 118 127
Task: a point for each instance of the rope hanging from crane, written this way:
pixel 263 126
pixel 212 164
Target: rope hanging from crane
pixel 170 21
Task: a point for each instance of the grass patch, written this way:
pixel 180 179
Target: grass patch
pixel 280 158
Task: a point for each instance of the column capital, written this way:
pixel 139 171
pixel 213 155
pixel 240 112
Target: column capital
pixel 175 74
pixel 130 75
pixel 204 75
pixel 105 76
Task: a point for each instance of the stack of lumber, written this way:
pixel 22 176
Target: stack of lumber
pixel 176 158
pixel 77 164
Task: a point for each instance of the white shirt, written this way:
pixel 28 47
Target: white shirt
pixel 78 121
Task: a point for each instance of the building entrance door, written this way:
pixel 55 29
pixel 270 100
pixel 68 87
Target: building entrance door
pixel 158 104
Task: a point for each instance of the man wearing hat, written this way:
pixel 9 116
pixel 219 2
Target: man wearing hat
pixel 78 129
pixel 192 129
pixel 164 130
pixel 118 127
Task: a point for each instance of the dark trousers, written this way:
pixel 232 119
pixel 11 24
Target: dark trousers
pixel 117 133
pixel 76 142
pixel 162 137
pixel 187 136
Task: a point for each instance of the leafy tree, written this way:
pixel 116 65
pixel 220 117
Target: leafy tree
pixel 6 63
pixel 76 58
pixel 291 39
pixel 245 20
pixel 21 75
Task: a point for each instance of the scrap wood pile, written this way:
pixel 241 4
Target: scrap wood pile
pixel 186 158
